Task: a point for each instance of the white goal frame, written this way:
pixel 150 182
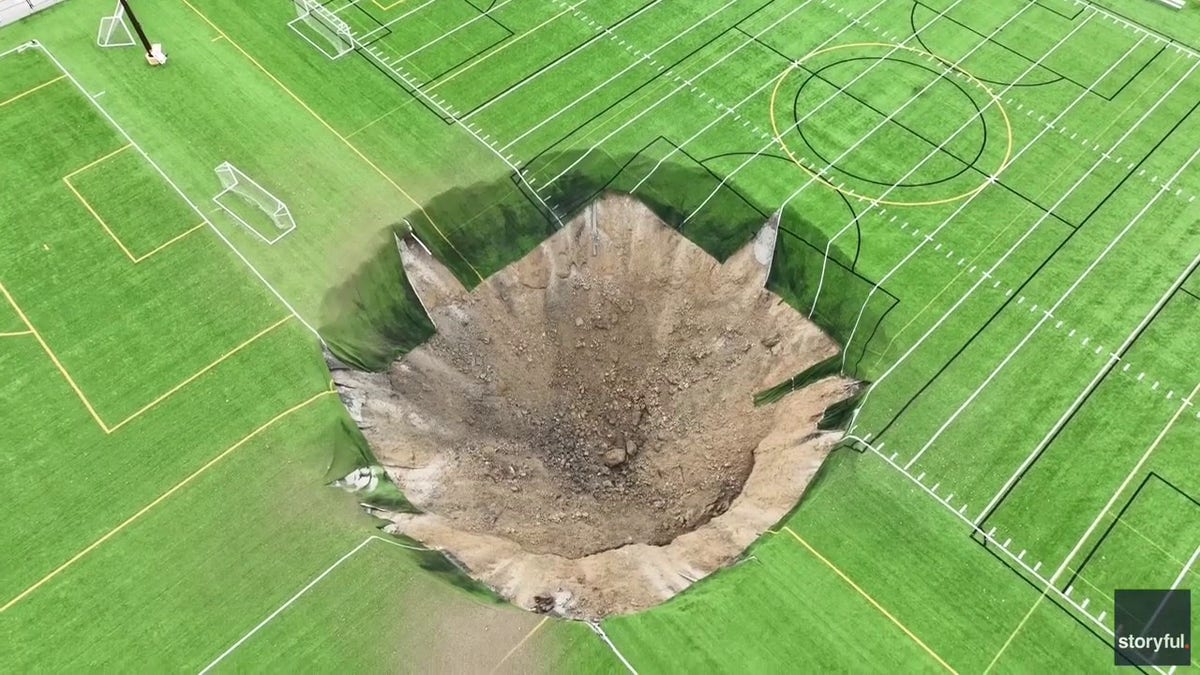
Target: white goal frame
pixel 326 22
pixel 112 27
pixel 233 180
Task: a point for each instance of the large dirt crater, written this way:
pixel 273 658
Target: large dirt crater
pixel 580 433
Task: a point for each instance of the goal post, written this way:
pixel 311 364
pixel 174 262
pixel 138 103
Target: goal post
pixel 239 191
pixel 322 28
pixel 114 30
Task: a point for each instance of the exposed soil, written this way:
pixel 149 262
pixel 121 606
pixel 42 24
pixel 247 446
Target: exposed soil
pixel 580 432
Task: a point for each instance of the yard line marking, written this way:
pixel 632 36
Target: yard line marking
pixel 991 270
pixel 689 81
pixel 482 15
pixel 1091 386
pixel 868 598
pixel 1121 488
pixel 178 486
pixel 1063 298
pixel 815 177
pixel 732 109
pixel 335 132
pixel 16 334
pixel 962 206
pixel 988 536
pixel 645 56
pixel 520 644
pixel 563 58
pixel 1187 568
pixel 30 90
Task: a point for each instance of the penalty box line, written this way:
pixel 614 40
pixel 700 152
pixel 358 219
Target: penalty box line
pixel 161 498
pixel 112 235
pixel 104 426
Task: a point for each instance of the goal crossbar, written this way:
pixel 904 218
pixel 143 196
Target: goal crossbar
pixel 326 24
pixel 235 182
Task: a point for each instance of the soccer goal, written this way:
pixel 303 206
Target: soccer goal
pixel 247 202
pixel 114 30
pixel 322 28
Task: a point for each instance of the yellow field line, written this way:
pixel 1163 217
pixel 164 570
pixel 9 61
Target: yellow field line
pixel 94 162
pixel 178 486
pixel 519 644
pixel 502 47
pixel 31 90
pixel 333 131
pixel 107 229
pixel 869 599
pixel 49 352
pixel 168 243
pixel 202 371
pixel 16 334
pixel 1013 635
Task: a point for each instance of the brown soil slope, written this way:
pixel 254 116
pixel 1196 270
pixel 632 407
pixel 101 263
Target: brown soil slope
pixel 580 431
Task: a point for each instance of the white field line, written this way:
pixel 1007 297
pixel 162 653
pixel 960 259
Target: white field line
pixel 203 216
pixel 307 587
pixel 988 274
pixel 732 110
pixel 394 20
pixel 1100 375
pixel 689 81
pixel 604 636
pixel 1137 28
pixel 471 128
pixel 1187 568
pixel 1125 483
pixel 1018 559
pixel 967 123
pixel 563 58
pixel 647 56
pixel 443 36
pixel 814 178
pixel 1047 314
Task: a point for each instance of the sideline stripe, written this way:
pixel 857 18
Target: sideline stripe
pixel 31 90
pixel 333 131
pixel 519 644
pixel 178 486
pixel 869 599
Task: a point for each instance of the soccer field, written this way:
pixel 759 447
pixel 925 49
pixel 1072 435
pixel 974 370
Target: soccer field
pixel 991 205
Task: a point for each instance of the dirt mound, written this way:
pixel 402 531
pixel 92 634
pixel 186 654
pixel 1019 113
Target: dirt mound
pixel 580 432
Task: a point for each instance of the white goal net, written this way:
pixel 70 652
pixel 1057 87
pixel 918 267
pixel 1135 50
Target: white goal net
pixel 322 28
pixel 278 220
pixel 114 30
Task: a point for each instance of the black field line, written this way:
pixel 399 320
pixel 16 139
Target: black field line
pixel 732 110
pixel 1049 313
pixel 643 58
pixel 563 58
pixel 875 202
pixel 1100 375
pixel 991 270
